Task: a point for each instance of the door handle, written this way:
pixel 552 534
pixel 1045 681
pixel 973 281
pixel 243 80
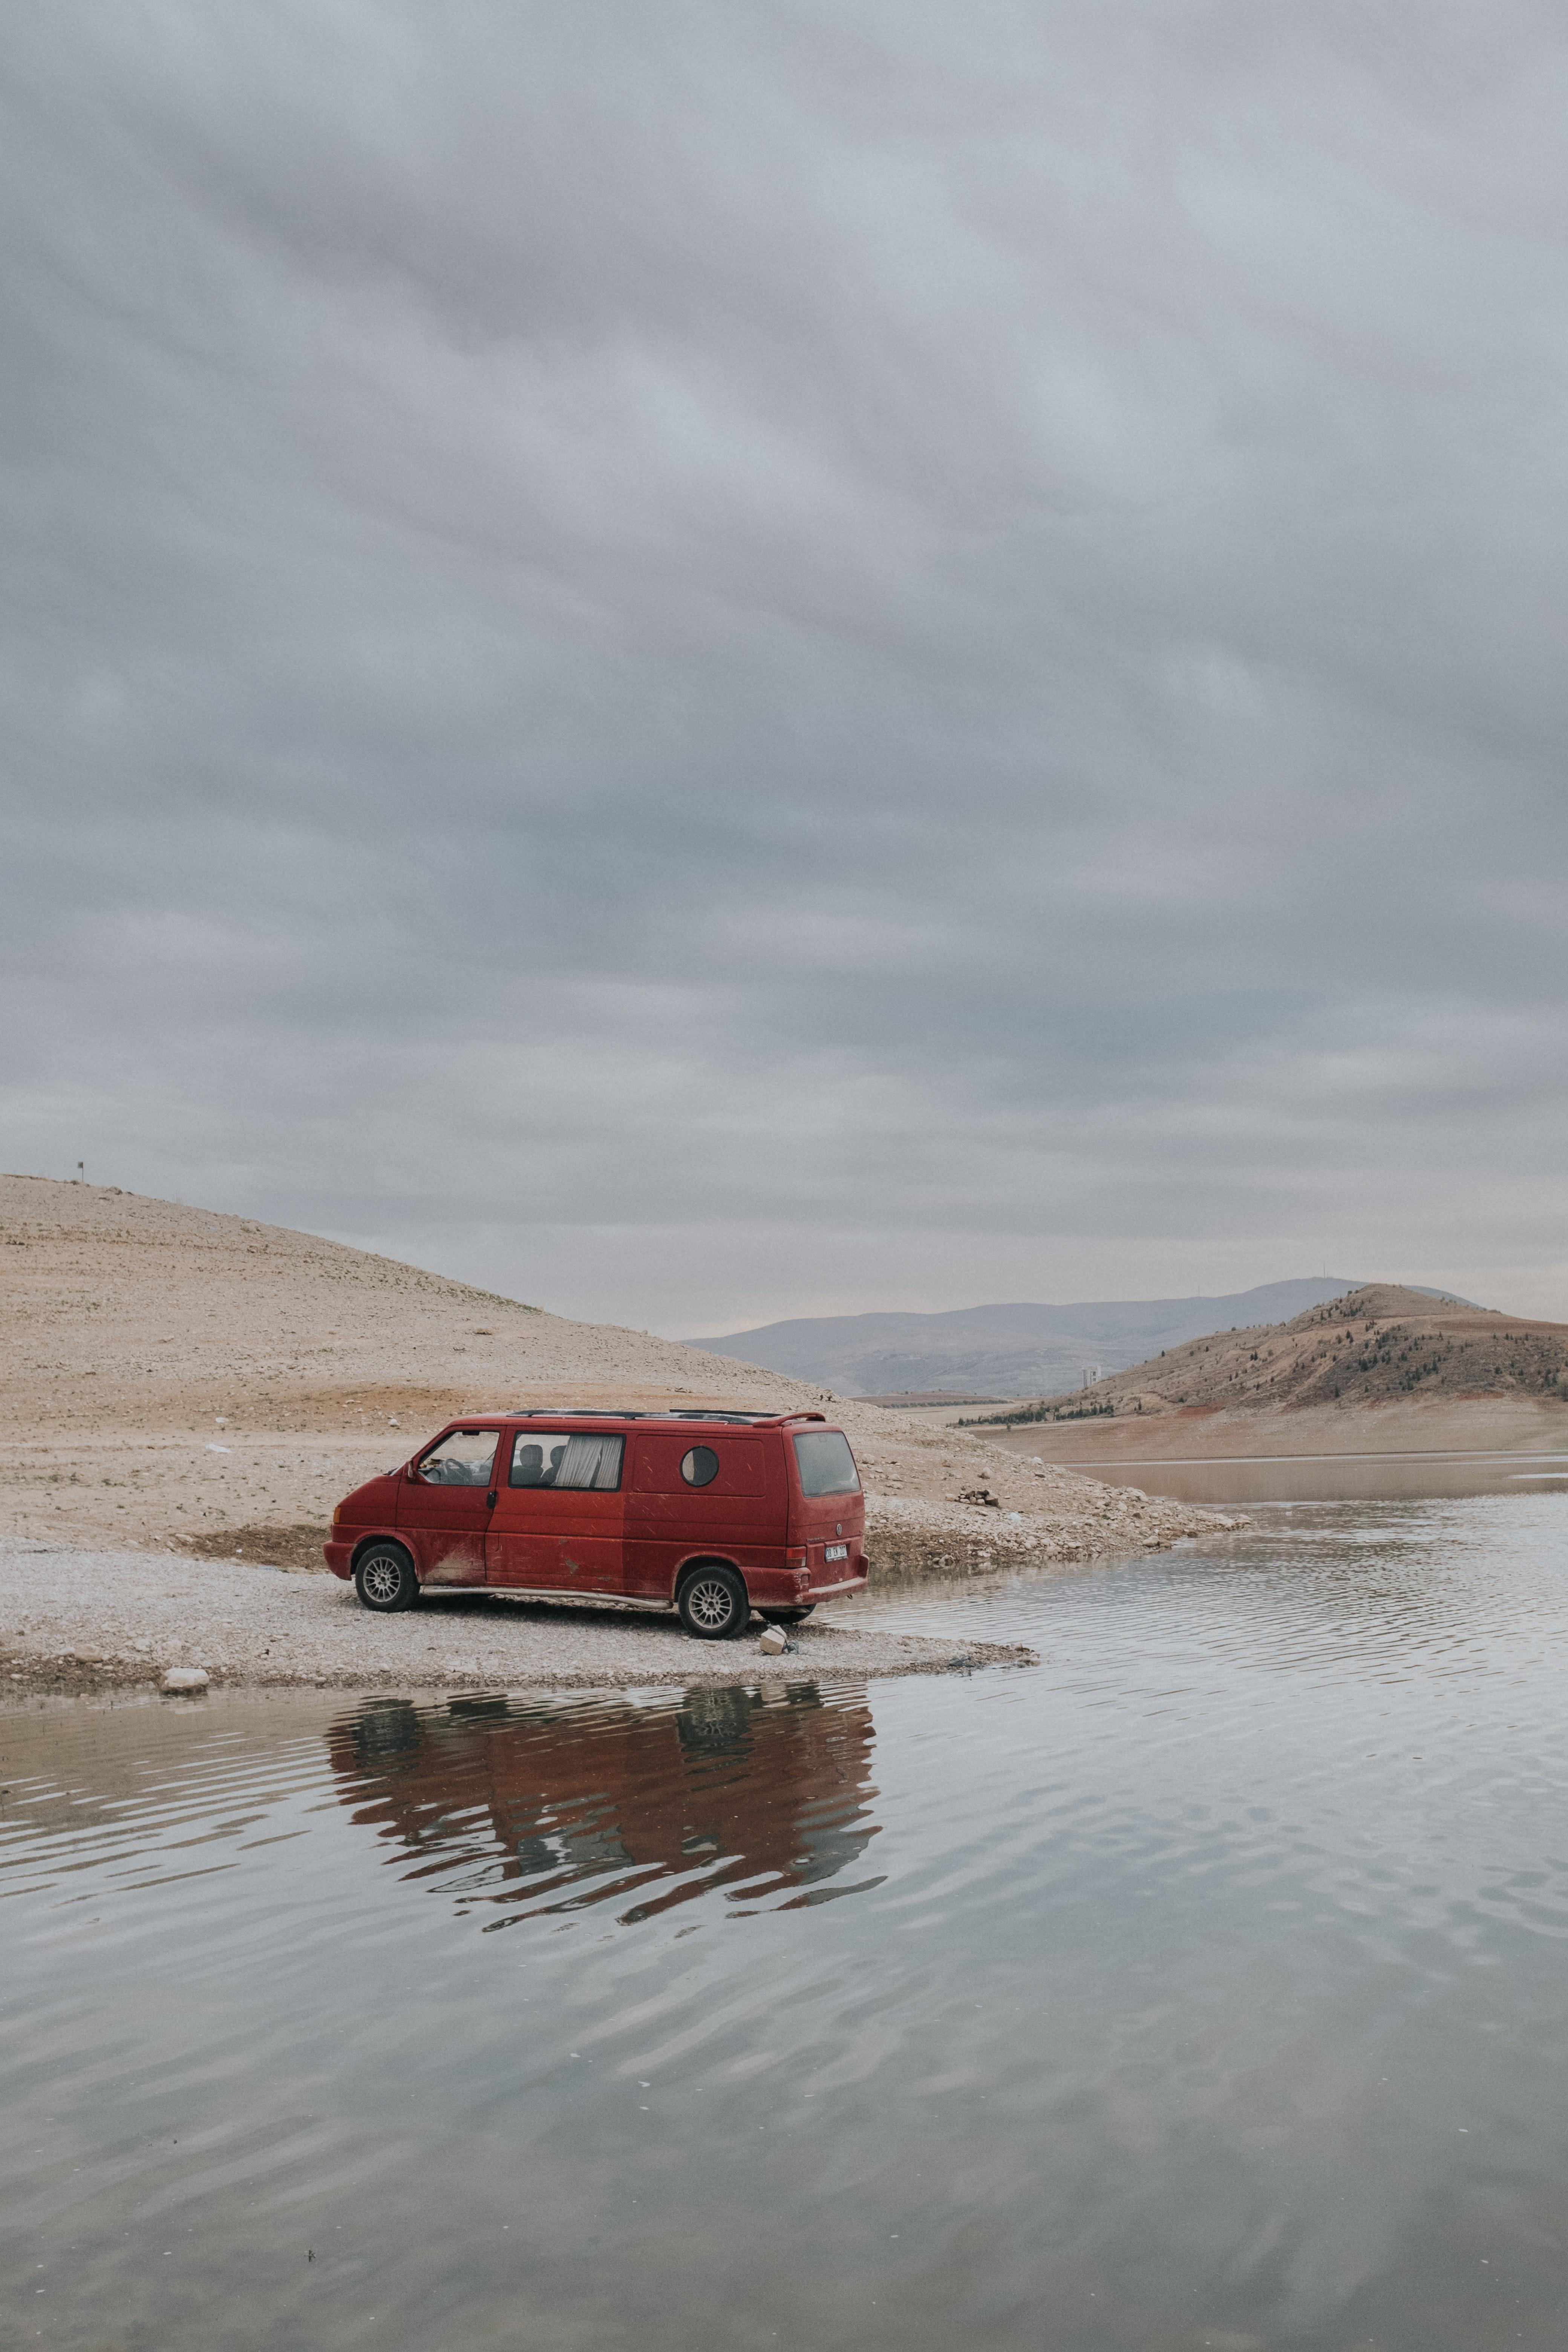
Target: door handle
pixel 491 1500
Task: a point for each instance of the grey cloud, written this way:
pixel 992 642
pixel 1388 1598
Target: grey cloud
pixel 692 663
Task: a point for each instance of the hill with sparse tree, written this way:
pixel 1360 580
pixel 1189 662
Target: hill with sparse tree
pixel 1378 1352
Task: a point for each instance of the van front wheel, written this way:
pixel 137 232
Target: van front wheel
pixel 714 1604
pixel 385 1578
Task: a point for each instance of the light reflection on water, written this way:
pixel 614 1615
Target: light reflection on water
pixel 1204 1986
pixel 758 1793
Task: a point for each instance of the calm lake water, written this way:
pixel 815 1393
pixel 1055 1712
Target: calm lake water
pixel 1206 1986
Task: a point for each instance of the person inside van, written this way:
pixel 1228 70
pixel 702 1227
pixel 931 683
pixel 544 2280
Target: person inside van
pixel 528 1466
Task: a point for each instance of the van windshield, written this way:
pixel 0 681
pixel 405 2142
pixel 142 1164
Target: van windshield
pixel 463 1458
pixel 826 1464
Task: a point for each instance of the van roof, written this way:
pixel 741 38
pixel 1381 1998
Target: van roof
pixel 717 1417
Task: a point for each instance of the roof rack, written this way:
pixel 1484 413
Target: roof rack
pixel 642 1413
pixel 575 1412
pixel 708 1413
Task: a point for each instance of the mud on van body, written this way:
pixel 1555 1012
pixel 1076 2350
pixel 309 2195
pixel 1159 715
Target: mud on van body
pixel 713 1515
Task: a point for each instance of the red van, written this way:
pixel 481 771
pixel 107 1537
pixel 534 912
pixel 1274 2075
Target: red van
pixel 712 1513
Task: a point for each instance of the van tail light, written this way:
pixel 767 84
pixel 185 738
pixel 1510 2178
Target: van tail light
pixel 795 1559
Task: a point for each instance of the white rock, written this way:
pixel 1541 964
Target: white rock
pixel 185 1679
pixel 772 1641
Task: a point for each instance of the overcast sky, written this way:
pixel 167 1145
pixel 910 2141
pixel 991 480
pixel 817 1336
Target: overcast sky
pixel 715 661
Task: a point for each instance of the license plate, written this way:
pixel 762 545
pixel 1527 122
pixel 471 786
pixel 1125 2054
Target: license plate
pixel 835 1551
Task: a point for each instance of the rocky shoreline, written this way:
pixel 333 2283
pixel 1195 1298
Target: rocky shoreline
pixel 911 1539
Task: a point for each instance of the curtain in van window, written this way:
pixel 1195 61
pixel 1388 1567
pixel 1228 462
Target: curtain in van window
pixel 591 1461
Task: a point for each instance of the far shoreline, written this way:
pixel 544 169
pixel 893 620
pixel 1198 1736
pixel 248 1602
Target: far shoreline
pixel 1204 1434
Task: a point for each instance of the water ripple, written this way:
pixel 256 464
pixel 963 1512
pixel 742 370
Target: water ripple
pixel 1203 1986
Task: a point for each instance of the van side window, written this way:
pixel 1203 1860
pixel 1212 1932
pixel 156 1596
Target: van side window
pixel 826 1464
pixel 736 1468
pixel 463 1458
pixel 556 1457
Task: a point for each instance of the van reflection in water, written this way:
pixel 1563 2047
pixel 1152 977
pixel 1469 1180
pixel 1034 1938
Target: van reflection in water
pixel 537 1807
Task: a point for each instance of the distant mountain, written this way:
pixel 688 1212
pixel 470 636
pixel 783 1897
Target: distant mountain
pixel 1010 1351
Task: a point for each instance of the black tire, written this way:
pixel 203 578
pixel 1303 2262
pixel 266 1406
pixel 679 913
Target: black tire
pixel 385 1578
pixel 789 1616
pixel 714 1604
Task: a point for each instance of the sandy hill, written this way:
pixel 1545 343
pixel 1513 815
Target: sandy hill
pixel 169 1373
pixel 1379 1358
pixel 181 1316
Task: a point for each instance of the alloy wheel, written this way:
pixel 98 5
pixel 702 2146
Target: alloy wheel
pixel 710 1604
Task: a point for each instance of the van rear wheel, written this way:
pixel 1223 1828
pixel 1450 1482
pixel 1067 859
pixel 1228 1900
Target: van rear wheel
pixel 384 1578
pixel 714 1604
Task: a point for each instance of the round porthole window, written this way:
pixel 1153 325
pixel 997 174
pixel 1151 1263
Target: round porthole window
pixel 701 1466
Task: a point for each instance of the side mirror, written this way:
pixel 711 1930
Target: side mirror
pixel 410 1474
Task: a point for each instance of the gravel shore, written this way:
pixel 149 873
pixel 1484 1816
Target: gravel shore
pixel 82 1620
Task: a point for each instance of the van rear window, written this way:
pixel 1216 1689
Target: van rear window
pixel 826 1464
